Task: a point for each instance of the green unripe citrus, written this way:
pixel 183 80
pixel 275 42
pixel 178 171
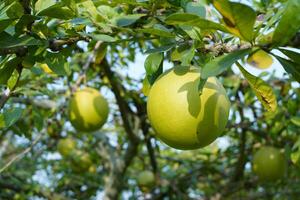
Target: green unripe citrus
pixel 66 146
pixel 81 161
pixel 269 164
pixel 180 116
pixel 88 110
pixel 146 179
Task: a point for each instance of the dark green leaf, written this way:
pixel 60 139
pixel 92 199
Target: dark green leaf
pixel 160 49
pixel 4 24
pixel 7 68
pixel 262 90
pixel 9 117
pixel 152 62
pixel 193 20
pixel 290 67
pixel 127 19
pixel 293 55
pixel 58 63
pixel 158 32
pixel 57 11
pixel 219 64
pixel 289 24
pixel 8 41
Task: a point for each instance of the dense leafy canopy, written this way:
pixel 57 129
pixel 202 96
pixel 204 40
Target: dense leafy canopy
pixel 51 48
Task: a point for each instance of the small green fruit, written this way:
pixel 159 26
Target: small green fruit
pixel 269 164
pixel 180 116
pixel 146 179
pixel 66 146
pixel 88 110
pixel 81 161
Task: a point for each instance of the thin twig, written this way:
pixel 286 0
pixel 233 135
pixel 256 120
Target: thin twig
pixel 19 156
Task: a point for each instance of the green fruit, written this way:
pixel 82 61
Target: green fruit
pixel 88 110
pixel 269 164
pixel 183 119
pixel 66 146
pixel 146 179
pixel 81 161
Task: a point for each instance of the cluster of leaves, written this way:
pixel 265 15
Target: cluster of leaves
pixel 212 35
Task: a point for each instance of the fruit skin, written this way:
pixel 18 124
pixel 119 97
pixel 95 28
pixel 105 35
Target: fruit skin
pixel 88 110
pixel 81 161
pixel 260 59
pixel 269 164
pixel 183 119
pixel 66 146
pixel 146 179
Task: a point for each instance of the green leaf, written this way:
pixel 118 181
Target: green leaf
pixel 239 18
pixel 160 49
pixel 262 90
pixel 295 155
pixel 127 20
pixel 146 86
pixel 184 54
pixel 290 67
pixel 196 8
pixel 7 41
pixel 158 32
pixel 293 55
pixel 193 20
pixel 43 4
pixel 296 121
pixel 7 68
pixel 91 9
pixel 9 117
pixel 23 22
pixel 57 11
pixel 152 62
pixel 5 23
pixel 103 37
pixel 15 10
pixel 289 23
pixel 220 64
pixel 12 81
pixel 58 63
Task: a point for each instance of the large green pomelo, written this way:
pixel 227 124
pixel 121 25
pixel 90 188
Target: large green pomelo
pixel 88 110
pixel 269 164
pixel 146 179
pixel 183 119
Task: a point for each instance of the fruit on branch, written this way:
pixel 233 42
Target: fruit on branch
pixel 66 146
pixel 260 59
pixel 81 161
pixel 88 110
pixel 146 179
pixel 180 116
pixel 269 164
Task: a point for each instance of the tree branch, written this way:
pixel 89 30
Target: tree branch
pixel 20 155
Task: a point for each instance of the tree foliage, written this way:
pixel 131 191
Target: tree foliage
pixel 51 48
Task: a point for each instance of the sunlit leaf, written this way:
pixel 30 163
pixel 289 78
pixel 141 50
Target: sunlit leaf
pixel 262 90
pixel 239 18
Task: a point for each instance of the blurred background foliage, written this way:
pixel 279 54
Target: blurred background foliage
pixel 50 48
